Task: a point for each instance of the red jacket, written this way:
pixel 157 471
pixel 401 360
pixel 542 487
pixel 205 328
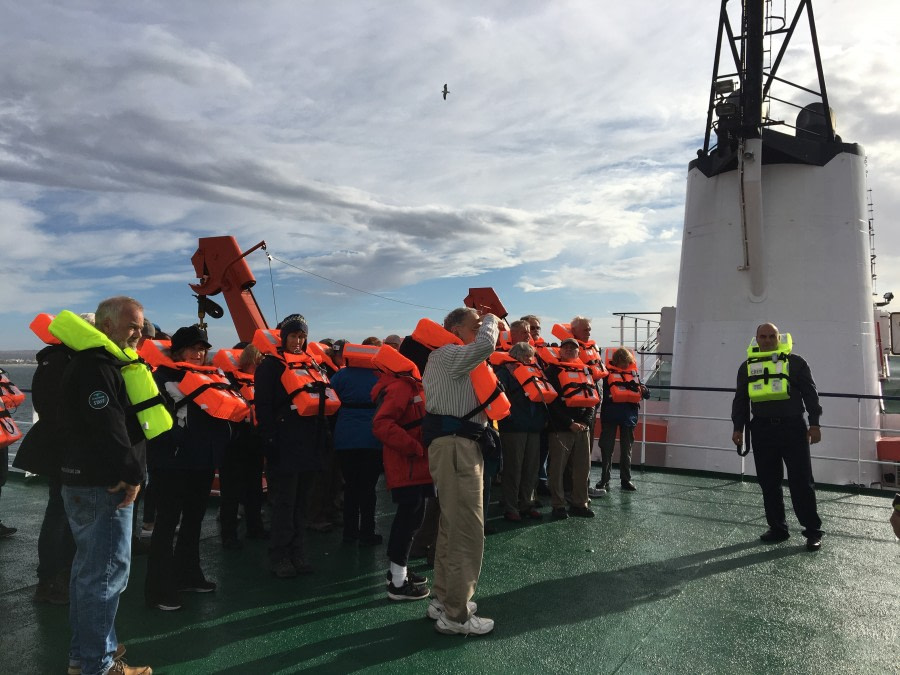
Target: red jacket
pixel 402 403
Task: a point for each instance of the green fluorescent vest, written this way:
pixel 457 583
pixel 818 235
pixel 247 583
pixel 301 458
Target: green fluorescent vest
pixel 146 402
pixel 767 372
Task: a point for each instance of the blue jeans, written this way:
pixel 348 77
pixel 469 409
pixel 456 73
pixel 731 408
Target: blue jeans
pixel 102 533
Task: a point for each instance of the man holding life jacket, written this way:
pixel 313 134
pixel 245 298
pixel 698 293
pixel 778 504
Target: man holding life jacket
pixel 456 464
pixel 103 467
pixel 571 417
pixel 777 386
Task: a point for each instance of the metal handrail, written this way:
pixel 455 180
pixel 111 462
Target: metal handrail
pixel 643 415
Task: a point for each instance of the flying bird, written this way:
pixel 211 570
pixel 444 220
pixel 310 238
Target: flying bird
pixel 446 91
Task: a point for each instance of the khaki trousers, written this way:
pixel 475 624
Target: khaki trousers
pixel 457 468
pixel 567 447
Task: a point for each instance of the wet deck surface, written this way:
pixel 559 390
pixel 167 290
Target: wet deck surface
pixel 670 579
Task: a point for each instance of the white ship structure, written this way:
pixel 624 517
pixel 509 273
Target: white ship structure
pixel 777 228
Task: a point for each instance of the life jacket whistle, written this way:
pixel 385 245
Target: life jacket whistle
pixel 40 326
pixel 140 387
pixel 530 376
pixel 389 360
pixel 11 395
pixel 768 376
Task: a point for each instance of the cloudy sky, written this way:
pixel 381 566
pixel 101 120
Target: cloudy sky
pixel 554 171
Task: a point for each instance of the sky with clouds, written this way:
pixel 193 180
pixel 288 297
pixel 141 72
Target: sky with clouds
pixel 554 171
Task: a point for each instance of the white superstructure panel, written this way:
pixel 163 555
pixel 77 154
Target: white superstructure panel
pixel 811 253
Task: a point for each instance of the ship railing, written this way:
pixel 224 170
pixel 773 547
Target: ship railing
pixel 643 337
pixel 861 429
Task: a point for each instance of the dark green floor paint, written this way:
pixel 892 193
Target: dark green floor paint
pixel 670 579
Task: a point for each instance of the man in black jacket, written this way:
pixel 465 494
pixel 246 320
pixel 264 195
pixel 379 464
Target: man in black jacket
pixel 780 435
pixel 102 470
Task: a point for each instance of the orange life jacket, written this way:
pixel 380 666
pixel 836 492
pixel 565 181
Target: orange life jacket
pixel 308 388
pixel 487 387
pixel 304 382
pixel 205 386
pixel 577 388
pixel 624 383
pixel 389 360
pixel 588 351
pixel 9 432
pixel 229 360
pixel 359 356
pixel 40 326
pixel 530 376
pixel 267 340
pixel 11 395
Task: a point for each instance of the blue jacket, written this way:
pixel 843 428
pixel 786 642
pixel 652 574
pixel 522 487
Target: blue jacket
pixel 354 419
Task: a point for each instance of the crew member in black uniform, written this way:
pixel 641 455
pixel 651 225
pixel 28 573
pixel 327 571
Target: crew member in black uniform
pixel 779 434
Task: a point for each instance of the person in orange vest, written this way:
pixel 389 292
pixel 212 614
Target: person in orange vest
pixel 621 415
pixel 520 436
pixel 570 442
pixel 293 446
pixel 182 465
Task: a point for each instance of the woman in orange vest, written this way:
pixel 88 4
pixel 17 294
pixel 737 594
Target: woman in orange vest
pixel 293 445
pixel 619 411
pixel 182 464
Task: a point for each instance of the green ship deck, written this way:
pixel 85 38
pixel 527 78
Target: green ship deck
pixel 670 579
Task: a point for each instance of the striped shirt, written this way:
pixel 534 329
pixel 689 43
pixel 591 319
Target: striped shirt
pixel 448 389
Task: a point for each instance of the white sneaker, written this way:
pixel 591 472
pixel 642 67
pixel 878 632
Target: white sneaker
pixel 476 625
pixel 436 608
pixel 596 492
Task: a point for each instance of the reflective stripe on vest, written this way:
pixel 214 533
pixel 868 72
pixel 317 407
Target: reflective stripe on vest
pixel 768 372
pixel 140 387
